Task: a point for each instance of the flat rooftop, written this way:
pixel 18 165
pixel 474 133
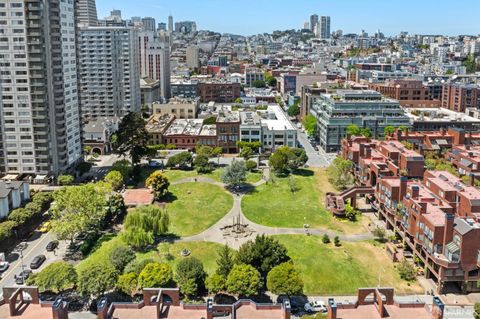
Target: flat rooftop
pixel 394 312
pixel 276 120
pixel 438 115
pixel 185 127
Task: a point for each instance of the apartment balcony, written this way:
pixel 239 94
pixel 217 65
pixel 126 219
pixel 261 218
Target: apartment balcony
pixel 442 261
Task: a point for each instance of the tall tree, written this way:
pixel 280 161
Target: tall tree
pixel 225 261
pixel 190 276
pixel 131 137
pixel 353 130
pixel 263 254
pixel 235 173
pixel 339 173
pixel 310 124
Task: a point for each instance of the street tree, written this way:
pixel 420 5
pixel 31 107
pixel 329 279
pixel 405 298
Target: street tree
pixel 389 129
pixel 56 277
pixel 65 179
pixel 181 160
pixel 124 167
pixel 310 124
pixel 244 280
pixel 285 279
pixel 78 209
pixel 246 153
pixel 115 178
pixel 250 165
pixel 235 174
pixel 190 276
pixel 132 138
pixel 156 275
pixel 159 183
pixel 202 164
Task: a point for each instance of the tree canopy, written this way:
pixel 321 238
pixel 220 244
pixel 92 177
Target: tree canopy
pixel 310 124
pixel 190 276
pixel 56 277
pixel 183 159
pixel 285 279
pixel 143 224
pixel 97 279
pixel 286 159
pixel 156 275
pixel 131 137
pixel 159 183
pixel 225 261
pixel 235 174
pixel 263 254
pixel 339 173
pixel 244 280
pixel 79 209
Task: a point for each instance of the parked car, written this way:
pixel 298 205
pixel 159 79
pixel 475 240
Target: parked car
pixel 4 266
pixel 21 247
pixel 21 277
pixel 37 261
pixel 315 306
pixel 52 245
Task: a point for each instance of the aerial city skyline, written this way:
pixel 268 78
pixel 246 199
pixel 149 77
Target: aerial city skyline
pixel 417 17
pixel 246 160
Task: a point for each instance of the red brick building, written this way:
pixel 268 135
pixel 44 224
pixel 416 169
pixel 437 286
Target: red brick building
pixel 458 97
pixel 436 215
pixel 218 91
pixel 411 93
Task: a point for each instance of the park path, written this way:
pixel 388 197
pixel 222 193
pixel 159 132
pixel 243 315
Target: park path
pixel 215 234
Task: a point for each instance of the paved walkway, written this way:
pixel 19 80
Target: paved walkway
pixel 215 234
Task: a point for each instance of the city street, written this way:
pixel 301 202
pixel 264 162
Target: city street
pixel 315 158
pixel 36 246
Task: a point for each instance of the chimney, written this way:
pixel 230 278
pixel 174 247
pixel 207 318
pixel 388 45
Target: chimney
pixel 415 191
pixel 331 309
pixel 437 308
pixel 403 187
pixel 471 180
pixel 361 149
pixel 448 229
pixel 102 309
pixel 368 152
pixel 59 309
pixel 287 309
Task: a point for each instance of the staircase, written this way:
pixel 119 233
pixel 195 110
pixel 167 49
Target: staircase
pixel 336 202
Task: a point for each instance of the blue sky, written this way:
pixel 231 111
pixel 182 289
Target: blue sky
pixel 258 16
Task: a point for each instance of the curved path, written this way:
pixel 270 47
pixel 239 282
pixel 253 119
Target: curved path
pixel 215 234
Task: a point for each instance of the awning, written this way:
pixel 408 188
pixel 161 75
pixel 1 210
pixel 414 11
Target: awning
pixel 10 177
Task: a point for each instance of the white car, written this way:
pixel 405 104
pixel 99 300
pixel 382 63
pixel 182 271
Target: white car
pixel 315 306
pixel 4 266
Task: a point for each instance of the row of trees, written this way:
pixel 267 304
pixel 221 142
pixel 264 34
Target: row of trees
pixel 20 217
pixel 263 260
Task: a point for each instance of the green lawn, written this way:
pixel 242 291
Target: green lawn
pixel 330 270
pixel 197 206
pixel 206 252
pixel 103 249
pixel 274 204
